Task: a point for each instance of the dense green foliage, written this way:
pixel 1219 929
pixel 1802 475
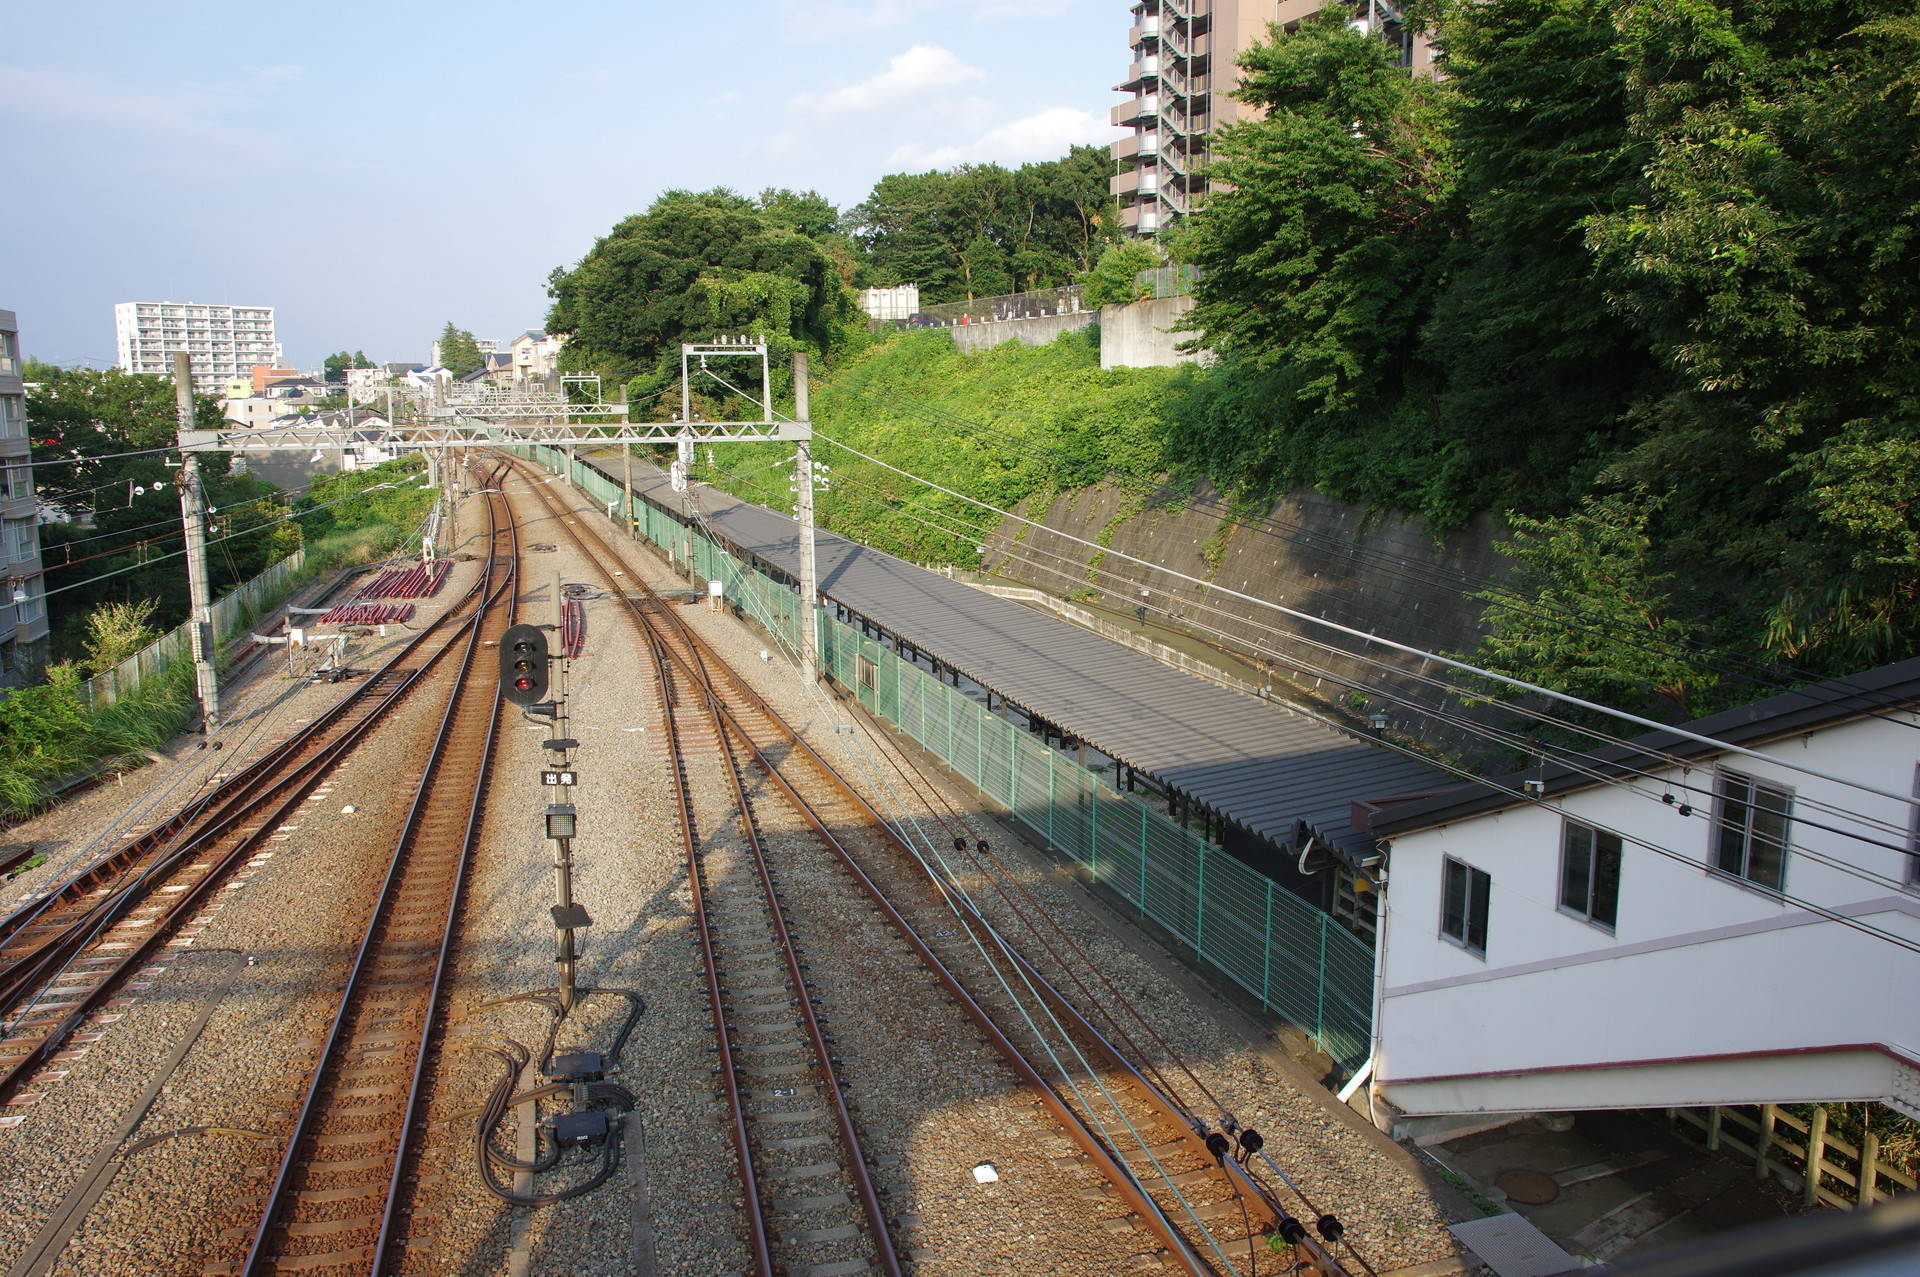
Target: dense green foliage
pixel 353 518
pixel 124 542
pixel 334 367
pixel 1646 274
pixel 459 351
pixel 1058 421
pixel 981 230
pixel 1115 278
pixel 47 734
pixel 692 267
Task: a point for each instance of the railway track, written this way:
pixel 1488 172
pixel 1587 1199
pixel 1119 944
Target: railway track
pixel 1177 1173
pixel 66 954
pixel 787 1106
pixel 340 1184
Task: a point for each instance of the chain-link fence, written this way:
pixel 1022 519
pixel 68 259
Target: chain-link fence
pixel 1297 960
pixel 231 612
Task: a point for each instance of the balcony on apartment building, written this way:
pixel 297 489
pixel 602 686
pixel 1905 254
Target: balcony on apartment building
pixel 1143 107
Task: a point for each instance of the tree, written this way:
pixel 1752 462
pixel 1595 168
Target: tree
pixel 335 365
pixel 1322 255
pixel 99 444
pixel 459 352
pixel 692 267
pixel 1587 612
pixel 1115 278
pixel 1534 369
pixel 115 631
pixel 1774 266
pixel 1046 223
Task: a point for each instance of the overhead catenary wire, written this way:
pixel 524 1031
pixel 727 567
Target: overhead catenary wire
pixel 1404 648
pixel 1743 666
pixel 1079 573
pixel 1728 746
pixel 1574 761
pixel 928 853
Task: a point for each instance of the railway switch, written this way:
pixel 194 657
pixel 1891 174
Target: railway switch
pixel 580 1130
pixel 524 664
pixel 577 1066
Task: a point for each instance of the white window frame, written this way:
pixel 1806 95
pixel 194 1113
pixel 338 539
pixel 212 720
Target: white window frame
pixel 1464 939
pixel 1595 837
pixel 1723 780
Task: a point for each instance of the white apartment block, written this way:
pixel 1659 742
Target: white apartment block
pixel 225 341
pixel 23 603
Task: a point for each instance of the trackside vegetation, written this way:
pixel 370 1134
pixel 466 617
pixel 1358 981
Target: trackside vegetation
pixel 48 735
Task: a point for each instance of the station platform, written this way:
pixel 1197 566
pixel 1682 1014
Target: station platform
pixel 1255 764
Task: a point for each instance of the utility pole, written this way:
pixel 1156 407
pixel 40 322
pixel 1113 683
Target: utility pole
pixel 193 515
pixel 803 512
pixel 567 916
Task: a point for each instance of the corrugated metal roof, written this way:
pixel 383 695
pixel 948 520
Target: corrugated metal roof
pixel 1265 768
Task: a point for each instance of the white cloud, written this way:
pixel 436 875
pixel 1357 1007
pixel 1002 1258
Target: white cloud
pixel 189 111
pixel 908 76
pixel 1044 135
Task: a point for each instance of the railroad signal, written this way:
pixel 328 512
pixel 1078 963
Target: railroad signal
pixel 524 662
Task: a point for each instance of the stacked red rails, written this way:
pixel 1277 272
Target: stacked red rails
pixel 421 581
pixel 370 613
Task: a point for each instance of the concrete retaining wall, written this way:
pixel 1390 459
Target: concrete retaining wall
pixel 1323 557
pixel 1136 335
pixel 1037 331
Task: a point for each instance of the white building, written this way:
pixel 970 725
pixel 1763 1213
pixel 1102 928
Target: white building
pixel 535 356
pixel 900 302
pixel 1667 923
pixel 225 341
pixel 23 602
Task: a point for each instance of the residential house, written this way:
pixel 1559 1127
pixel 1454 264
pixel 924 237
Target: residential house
pixel 535 357
pixel 1727 912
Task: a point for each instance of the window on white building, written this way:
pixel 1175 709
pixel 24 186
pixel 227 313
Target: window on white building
pixel 1913 832
pixel 1750 829
pixel 1464 894
pixel 1590 873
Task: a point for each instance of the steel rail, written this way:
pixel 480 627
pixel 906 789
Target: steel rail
pixel 1260 1200
pixel 1109 1165
pixel 843 1119
pixel 757 1239
pixel 229 801
pixel 280 1198
pixel 284 791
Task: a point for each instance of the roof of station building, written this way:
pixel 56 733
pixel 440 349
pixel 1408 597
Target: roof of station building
pixel 1269 769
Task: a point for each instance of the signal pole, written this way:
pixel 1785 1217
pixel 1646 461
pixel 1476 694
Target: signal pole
pixel 803 512
pixel 193 516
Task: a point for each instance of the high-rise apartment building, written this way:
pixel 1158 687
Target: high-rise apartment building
pixel 1185 69
pixel 23 601
pixel 225 341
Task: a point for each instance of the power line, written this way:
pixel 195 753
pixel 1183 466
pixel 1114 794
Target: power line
pixel 1744 667
pixel 1393 644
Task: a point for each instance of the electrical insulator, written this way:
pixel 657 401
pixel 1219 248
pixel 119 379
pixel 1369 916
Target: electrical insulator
pixel 523 664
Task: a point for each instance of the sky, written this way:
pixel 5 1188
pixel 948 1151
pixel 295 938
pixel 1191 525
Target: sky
pixel 372 171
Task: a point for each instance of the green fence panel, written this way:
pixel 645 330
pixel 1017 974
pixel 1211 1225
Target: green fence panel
pixel 1290 955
